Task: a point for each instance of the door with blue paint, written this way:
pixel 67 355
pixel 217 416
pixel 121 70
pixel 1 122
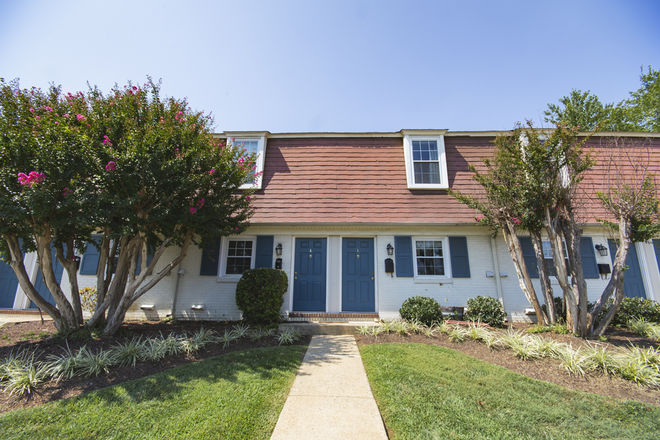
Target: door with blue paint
pixel 309 277
pixel 633 284
pixel 39 284
pixel 358 275
pixel 8 286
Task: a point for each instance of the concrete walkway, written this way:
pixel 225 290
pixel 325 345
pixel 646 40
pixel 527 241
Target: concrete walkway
pixel 331 397
pixel 22 317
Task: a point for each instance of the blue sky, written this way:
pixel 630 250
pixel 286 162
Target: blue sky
pixel 301 66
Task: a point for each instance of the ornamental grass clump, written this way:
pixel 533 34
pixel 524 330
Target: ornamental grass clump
pixel 94 363
pixel 63 366
pixel 457 334
pixel 645 328
pixel 401 327
pixel 171 344
pixel 127 353
pixel 574 361
pixel 421 309
pixel 21 373
pixel 602 359
pixel 387 326
pixel 241 330
pixel 288 336
pixel 154 350
pixel 227 338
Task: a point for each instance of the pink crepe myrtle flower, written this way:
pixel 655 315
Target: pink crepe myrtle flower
pixel 32 110
pixel 192 210
pixel 212 172
pixel 66 115
pixel 236 228
pixel 110 166
pixel 31 178
pixel 515 220
pixel 80 117
pixel 67 191
pixel 106 141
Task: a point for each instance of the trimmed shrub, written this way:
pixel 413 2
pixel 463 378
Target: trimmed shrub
pixel 485 309
pixel 632 309
pixel 421 309
pixel 259 295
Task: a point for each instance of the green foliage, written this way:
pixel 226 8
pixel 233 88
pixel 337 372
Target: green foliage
pixel 143 168
pixel 640 112
pixel 259 295
pixel 485 309
pixel 421 309
pixel 632 309
pixel 580 110
pixel 644 328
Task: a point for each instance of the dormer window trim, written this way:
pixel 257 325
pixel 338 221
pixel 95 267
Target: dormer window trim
pixel 260 138
pixel 432 140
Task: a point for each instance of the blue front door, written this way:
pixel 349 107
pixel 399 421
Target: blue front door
pixel 633 284
pixel 39 284
pixel 358 275
pixel 8 286
pixel 309 277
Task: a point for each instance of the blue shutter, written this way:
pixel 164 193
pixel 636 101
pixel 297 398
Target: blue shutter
pixel 588 254
pixel 90 260
pixel 656 247
pixel 404 256
pixel 264 256
pixel 529 255
pixel 460 263
pixel 210 257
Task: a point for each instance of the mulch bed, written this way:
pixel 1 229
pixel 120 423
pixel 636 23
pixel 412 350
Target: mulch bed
pixel 546 369
pixel 27 335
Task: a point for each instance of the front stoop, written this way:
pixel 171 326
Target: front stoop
pixel 321 323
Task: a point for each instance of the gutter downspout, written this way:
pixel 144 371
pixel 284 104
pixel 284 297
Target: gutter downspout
pixel 176 291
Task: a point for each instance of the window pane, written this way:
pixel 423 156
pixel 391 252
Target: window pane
pixel 239 256
pixel 427 172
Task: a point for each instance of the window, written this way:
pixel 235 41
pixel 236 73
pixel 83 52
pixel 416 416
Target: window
pixel 431 261
pixel 253 143
pixel 239 256
pixel 426 165
pixel 548 259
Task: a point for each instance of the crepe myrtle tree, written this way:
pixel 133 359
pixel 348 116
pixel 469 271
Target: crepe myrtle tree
pixel 505 202
pixel 43 160
pixel 144 172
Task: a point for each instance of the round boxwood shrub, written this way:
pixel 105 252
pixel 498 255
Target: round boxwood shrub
pixel 485 309
pixel 636 308
pixel 421 309
pixel 259 295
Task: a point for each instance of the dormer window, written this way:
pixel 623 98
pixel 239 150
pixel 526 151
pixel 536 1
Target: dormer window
pixel 426 164
pixel 252 143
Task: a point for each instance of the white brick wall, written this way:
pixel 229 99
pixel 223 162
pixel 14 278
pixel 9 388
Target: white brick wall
pixel 218 296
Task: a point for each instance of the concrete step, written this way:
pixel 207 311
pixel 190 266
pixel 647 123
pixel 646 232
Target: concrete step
pixel 325 328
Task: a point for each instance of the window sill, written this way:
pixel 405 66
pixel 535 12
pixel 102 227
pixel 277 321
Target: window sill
pixel 228 279
pixel 433 280
pixel 428 186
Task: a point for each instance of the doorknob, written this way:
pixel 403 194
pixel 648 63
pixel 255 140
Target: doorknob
pixel 295 278
pixel 372 278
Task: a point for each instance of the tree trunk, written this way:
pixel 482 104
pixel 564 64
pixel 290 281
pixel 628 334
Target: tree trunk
pixel 614 286
pixel 133 290
pixel 557 245
pixel 573 237
pixel 521 268
pixel 544 277
pixel 46 266
pixel 71 268
pixel 24 281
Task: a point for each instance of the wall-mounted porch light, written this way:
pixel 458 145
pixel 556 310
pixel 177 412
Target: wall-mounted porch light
pixel 390 249
pixel 602 250
pixel 278 249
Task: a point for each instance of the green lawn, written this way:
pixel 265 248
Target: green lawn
pixel 235 396
pixel 429 392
